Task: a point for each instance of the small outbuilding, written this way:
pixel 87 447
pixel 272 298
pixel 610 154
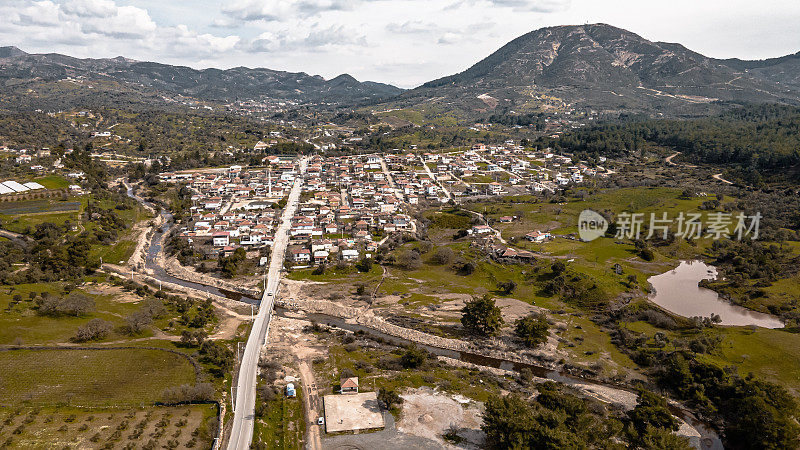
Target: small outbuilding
pixel 349 385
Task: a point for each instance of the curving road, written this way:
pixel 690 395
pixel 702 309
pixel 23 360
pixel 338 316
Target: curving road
pixel 244 407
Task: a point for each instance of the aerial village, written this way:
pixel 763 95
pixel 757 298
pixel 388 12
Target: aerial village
pixel 351 204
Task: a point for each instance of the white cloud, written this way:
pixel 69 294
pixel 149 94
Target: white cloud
pixel 44 13
pixel 313 39
pixel 90 8
pixel 543 6
pixel 98 28
pixel 124 22
pixel 413 27
pixel 276 10
pixel 537 6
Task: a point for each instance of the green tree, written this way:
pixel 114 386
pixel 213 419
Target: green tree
pixel 413 357
pixel 231 265
pixel 365 265
pixel 389 398
pixel 532 329
pixel 508 422
pixel 506 287
pixel 651 411
pixel 443 256
pixel 409 260
pixel 661 439
pixel 481 315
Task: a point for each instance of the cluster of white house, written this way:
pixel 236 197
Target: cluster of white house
pixel 347 202
pixel 352 202
pixel 487 170
pixel 234 207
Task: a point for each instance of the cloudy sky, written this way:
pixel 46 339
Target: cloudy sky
pixel 403 42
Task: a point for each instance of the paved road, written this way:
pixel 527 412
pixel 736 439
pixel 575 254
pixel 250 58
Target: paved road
pixel 244 413
pixel 433 178
pixel 390 179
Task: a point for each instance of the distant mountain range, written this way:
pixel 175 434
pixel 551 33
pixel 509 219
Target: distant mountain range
pixel 596 66
pixel 608 68
pixel 239 83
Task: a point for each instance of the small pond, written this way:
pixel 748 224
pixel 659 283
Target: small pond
pixel 677 291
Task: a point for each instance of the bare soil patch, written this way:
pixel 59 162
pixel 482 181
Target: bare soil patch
pixel 430 414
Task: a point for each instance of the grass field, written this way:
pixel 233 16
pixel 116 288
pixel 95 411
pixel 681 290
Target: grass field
pixel 20 223
pixel 114 254
pixel 773 355
pixel 332 274
pixel 52 182
pixel 129 377
pixel 21 324
pixel 283 424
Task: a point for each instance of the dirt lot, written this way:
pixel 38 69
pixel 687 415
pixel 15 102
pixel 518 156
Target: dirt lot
pixel 352 412
pixel 430 414
pixel 118 294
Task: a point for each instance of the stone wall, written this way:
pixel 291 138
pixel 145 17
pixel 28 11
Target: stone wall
pixel 177 270
pixel 147 279
pixel 137 259
pixel 493 348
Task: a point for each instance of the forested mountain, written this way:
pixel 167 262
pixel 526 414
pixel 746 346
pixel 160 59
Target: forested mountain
pixel 756 141
pixel 590 67
pixel 606 68
pixel 240 83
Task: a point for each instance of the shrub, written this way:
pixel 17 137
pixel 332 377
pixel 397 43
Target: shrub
pixel 75 304
pixel 188 394
pixel 409 260
pixel 466 268
pixel 138 321
pixel 506 287
pixel 532 329
pixel 93 330
pixel 388 398
pixel 657 319
pixel 443 256
pixel 413 357
pixel 365 265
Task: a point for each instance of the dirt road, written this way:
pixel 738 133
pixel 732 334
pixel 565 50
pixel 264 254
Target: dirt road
pixel 718 177
pixel 312 403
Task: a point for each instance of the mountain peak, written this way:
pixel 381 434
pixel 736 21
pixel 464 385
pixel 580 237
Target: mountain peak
pixel 600 66
pixel 344 78
pixel 10 52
